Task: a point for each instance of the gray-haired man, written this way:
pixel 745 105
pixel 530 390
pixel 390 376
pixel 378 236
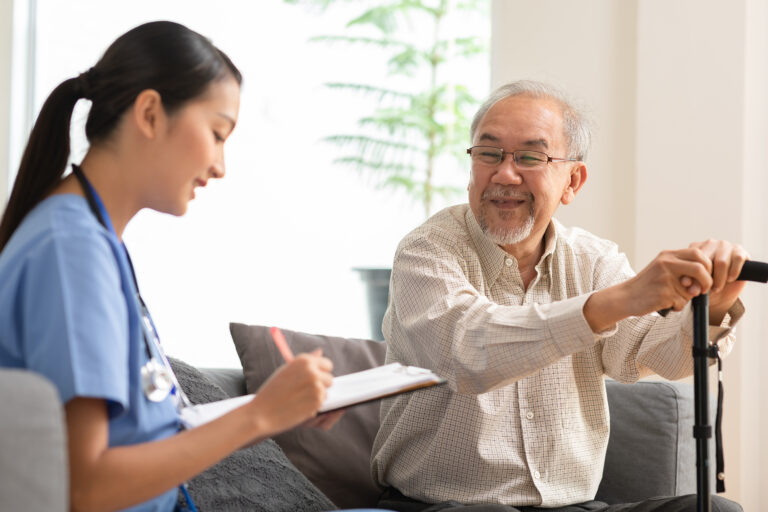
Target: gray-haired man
pixel 524 317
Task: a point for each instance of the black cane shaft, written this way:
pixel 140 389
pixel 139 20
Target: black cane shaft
pixel 701 405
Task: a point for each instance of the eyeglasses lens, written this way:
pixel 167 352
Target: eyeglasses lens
pixel 486 155
pixel 530 159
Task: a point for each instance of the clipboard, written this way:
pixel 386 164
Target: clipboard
pixel 346 391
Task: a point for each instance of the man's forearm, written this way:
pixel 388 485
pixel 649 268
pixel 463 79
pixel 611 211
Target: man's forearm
pixel 608 306
pixel 605 308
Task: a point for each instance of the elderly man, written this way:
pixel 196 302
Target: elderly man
pixel 524 317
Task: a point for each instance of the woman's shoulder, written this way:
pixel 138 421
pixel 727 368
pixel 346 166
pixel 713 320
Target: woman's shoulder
pixel 59 221
pixel 66 213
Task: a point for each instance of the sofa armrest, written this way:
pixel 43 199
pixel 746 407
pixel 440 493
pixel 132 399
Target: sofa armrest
pixel 651 450
pixel 33 453
pixel 231 380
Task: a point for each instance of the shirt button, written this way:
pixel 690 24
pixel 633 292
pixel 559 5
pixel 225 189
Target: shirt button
pixel 508 262
pixel 529 415
pixel 537 474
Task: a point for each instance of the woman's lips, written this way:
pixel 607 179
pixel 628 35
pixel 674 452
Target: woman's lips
pixel 198 183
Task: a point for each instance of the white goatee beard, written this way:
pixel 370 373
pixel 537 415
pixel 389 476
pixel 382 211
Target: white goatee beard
pixel 510 236
pixel 506 236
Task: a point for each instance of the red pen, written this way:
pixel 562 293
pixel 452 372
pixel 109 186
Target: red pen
pixel 282 345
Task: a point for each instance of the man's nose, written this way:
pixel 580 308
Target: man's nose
pixel 506 172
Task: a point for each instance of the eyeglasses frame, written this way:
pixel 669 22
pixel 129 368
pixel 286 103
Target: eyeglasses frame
pixel 504 154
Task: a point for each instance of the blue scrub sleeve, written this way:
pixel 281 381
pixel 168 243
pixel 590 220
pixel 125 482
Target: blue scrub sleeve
pixel 76 319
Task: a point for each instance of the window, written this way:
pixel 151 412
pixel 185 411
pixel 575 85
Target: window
pixel 275 242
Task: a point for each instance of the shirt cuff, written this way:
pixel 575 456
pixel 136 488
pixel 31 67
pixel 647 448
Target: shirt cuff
pixel 716 332
pixel 596 336
pixel 567 325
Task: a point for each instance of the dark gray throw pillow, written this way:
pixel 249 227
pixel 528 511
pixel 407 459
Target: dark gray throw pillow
pixel 337 461
pixel 257 478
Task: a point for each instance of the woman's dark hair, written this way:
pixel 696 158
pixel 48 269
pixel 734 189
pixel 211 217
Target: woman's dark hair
pixel 173 60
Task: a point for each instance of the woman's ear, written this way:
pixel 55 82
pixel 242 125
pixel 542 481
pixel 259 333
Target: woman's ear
pixel 577 177
pixel 148 112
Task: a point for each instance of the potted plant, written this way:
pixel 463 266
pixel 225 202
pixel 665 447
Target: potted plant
pixel 418 125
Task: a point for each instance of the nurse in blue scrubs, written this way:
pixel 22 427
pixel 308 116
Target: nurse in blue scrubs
pixel 164 101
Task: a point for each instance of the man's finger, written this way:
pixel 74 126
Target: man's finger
pixel 738 257
pixel 694 270
pixel 721 262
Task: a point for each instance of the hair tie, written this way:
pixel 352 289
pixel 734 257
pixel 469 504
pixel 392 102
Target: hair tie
pixel 83 82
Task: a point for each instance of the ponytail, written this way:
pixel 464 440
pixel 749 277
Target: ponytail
pixel 45 157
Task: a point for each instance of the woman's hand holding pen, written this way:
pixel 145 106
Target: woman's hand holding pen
pixel 292 394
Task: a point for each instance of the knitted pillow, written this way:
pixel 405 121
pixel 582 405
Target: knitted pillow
pixel 257 478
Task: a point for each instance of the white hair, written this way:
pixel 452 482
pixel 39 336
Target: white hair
pixel 575 124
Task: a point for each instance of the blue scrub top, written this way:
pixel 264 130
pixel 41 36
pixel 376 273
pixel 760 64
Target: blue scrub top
pixel 68 311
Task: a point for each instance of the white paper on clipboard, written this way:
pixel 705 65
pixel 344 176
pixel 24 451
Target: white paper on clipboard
pixel 345 391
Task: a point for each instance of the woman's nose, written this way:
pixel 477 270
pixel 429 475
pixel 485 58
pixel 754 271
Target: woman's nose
pixel 218 169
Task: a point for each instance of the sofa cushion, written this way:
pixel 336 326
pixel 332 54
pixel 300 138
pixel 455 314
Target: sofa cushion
pixel 336 461
pixel 257 478
pixel 651 450
pixel 231 380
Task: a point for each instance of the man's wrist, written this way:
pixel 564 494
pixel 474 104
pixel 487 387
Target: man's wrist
pixel 605 308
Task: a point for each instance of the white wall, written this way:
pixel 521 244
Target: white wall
pixel 701 128
pixel 678 90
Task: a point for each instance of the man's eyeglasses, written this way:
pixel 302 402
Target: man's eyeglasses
pixel 524 159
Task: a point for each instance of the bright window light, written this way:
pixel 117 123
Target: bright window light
pixel 274 243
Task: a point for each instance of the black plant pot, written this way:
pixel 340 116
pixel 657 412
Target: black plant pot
pixel 377 294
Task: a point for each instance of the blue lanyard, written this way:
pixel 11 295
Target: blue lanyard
pixel 190 504
pixel 148 328
pixel 95 200
pixel 100 211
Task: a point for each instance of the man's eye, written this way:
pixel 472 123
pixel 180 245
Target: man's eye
pixel 528 159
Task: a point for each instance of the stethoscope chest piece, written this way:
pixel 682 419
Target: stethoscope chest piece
pixel 156 381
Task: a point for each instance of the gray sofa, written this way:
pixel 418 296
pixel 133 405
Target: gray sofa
pixel 650 453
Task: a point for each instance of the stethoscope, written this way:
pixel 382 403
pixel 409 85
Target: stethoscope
pixel 157 378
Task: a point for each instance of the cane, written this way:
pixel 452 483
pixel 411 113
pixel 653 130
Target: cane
pixel 702 352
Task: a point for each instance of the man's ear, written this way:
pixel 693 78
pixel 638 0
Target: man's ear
pixel 578 176
pixel 148 112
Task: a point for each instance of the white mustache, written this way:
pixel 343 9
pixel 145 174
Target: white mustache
pixel 501 193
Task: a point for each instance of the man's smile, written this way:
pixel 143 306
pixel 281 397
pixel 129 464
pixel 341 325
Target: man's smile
pixel 506 199
pixel 507 203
